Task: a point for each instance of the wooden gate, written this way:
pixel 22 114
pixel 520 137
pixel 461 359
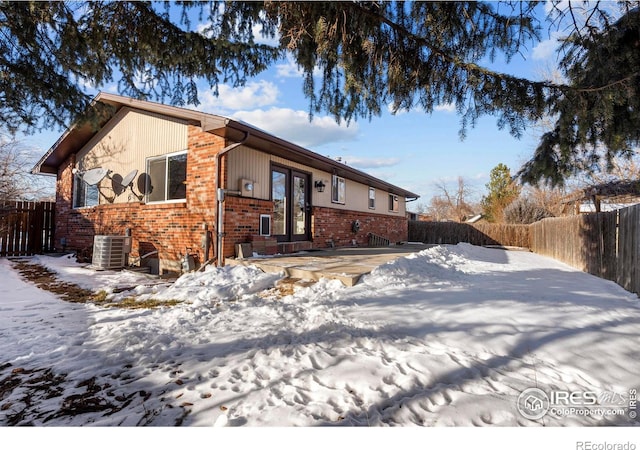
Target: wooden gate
pixel 26 228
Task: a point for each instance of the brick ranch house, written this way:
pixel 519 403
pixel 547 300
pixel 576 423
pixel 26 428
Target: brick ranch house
pixel 191 172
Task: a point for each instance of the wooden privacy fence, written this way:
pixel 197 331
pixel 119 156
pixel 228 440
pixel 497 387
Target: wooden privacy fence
pixel 628 261
pixel 603 244
pixel 476 234
pixel 587 242
pixel 26 228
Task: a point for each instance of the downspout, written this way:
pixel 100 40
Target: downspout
pixel 220 197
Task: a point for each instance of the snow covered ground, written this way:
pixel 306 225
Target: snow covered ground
pixel 448 336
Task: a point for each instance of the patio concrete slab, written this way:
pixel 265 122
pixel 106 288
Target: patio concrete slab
pixel 344 264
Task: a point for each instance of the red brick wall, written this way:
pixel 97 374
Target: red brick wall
pixel 242 220
pixel 334 225
pixel 169 228
pixel 201 172
pixel 64 189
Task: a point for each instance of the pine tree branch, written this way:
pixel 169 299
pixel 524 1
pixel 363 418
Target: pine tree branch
pixel 606 86
pixel 480 70
pixel 444 56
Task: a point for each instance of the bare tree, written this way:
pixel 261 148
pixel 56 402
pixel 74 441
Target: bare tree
pixel 524 211
pixel 452 203
pixel 551 199
pixel 617 169
pixel 538 202
pixel 16 181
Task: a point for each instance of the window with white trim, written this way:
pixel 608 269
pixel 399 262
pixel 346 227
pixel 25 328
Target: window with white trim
pixel 372 198
pixel 167 177
pixel 338 189
pixel 84 195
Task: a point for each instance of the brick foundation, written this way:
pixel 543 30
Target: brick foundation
pixel 334 227
pixel 170 229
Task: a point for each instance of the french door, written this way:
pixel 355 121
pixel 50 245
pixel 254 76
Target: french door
pixel 291 196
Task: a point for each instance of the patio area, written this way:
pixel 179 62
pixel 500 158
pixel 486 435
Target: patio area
pixel 345 264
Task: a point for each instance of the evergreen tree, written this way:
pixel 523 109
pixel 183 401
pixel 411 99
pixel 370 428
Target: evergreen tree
pixel 49 50
pixel 502 191
pixel 598 115
pixel 369 55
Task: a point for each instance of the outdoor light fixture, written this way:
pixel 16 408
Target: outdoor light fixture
pixel 248 186
pixel 319 185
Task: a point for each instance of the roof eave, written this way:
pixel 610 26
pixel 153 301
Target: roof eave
pixel 269 143
pixel 77 135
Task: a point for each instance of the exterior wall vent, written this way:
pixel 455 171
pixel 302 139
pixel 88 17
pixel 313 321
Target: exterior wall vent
pixel 110 252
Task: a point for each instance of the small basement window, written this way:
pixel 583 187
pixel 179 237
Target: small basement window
pixel 84 195
pixel 338 190
pixel 167 177
pixel 394 204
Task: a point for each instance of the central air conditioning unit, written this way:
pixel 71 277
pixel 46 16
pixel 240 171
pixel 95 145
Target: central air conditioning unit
pixel 110 252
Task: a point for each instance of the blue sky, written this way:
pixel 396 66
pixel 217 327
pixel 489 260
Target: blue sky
pixel 412 149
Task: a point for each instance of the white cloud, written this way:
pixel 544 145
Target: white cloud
pixel 391 177
pixel 294 126
pixel 254 94
pixel 446 107
pixel 555 5
pixel 110 88
pixel 203 28
pixel 371 163
pixel 265 40
pixel 290 69
pixel 480 176
pixel 546 49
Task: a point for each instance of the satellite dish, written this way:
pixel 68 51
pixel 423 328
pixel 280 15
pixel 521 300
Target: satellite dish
pixel 144 184
pixel 116 184
pixel 126 181
pixel 94 176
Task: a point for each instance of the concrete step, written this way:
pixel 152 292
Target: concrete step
pixel 285 248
